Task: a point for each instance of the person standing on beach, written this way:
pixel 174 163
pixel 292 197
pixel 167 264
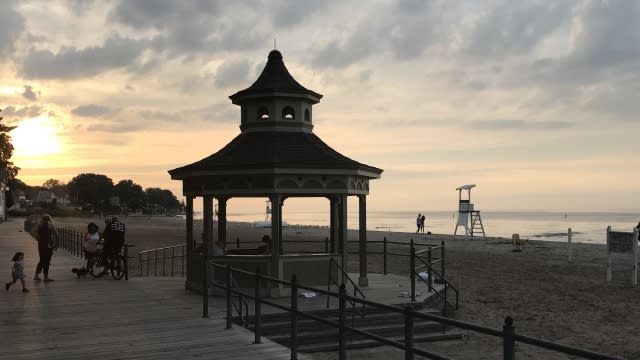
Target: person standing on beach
pixel 47 242
pixel 638 229
pixel 418 223
pixel 422 220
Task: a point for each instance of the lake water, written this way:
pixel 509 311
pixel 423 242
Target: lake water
pixel 588 227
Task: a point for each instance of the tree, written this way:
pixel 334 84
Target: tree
pixel 164 198
pixel 55 186
pixel 94 189
pixel 8 171
pixel 130 193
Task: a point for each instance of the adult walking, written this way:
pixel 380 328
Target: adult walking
pixel 47 237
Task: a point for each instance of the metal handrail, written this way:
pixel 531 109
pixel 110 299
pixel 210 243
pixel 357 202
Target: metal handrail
pixel 432 273
pixel 344 274
pixel 156 258
pixel 507 333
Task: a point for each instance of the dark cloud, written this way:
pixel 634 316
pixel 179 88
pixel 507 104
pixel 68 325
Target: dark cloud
pixel 70 62
pixel 232 72
pixel 12 24
pixel 518 125
pixel 406 30
pixel 16 113
pixel 91 110
pixel 288 13
pixel 29 93
pixel 608 34
pixel 514 27
pixel 186 28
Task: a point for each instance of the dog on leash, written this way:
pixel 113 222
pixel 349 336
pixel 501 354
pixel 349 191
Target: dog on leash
pixel 81 272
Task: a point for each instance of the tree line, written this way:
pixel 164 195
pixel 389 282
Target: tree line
pixel 95 192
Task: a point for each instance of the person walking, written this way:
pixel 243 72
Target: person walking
pixel 17 272
pixel 418 223
pixel 47 237
pixel 422 220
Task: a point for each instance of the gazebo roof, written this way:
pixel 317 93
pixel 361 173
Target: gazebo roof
pixel 274 78
pixel 266 151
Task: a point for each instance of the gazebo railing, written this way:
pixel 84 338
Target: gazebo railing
pixel 164 261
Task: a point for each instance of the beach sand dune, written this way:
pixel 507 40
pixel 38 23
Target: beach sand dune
pixel 547 296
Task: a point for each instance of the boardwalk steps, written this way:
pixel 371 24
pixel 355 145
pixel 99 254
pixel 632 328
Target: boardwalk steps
pixel 314 336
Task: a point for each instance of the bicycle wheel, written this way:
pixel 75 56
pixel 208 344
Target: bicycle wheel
pixel 96 267
pixel 117 267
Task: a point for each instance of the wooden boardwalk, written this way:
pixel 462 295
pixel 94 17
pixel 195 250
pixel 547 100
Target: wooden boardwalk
pixel 143 318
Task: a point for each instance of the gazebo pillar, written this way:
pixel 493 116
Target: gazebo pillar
pixel 222 220
pixel 362 212
pixel 276 235
pixel 333 223
pixel 342 231
pixel 189 223
pixel 189 233
pixel 207 223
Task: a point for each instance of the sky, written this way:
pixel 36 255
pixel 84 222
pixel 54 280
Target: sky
pixel 535 102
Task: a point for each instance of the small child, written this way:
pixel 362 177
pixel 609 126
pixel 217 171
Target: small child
pixel 17 271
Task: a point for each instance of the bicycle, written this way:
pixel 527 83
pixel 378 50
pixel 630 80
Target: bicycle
pixel 115 264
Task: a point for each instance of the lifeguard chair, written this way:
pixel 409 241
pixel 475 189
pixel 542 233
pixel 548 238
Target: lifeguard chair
pixel 468 217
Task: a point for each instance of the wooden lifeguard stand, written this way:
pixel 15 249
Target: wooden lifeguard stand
pixel 468 217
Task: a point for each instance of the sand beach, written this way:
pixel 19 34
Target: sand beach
pixel 547 296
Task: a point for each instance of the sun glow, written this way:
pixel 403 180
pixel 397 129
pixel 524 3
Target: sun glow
pixel 34 138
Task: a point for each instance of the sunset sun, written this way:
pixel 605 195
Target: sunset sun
pixel 35 137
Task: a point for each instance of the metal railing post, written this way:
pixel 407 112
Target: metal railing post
pixel 173 258
pixel 126 262
pixel 205 287
pixel 140 262
pixel 429 271
pixel 294 318
pixel 442 267
pixel 238 242
pixel 509 340
pixel 408 334
pixel 257 311
pixel 229 312
pixel 384 255
pixel 326 245
pixel 342 331
pixel 164 261
pixel 155 263
pixel 148 263
pixel 412 270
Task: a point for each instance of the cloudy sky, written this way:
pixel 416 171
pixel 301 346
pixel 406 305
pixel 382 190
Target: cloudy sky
pixel 536 102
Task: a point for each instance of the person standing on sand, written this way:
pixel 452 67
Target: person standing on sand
pixel 47 242
pixel 638 228
pixel 418 222
pixel 422 220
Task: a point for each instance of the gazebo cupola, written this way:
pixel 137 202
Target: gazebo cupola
pixel 276 101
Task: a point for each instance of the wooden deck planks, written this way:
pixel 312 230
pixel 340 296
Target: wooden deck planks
pixel 143 318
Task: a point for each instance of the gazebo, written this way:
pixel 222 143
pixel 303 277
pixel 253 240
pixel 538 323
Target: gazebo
pixel 277 156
